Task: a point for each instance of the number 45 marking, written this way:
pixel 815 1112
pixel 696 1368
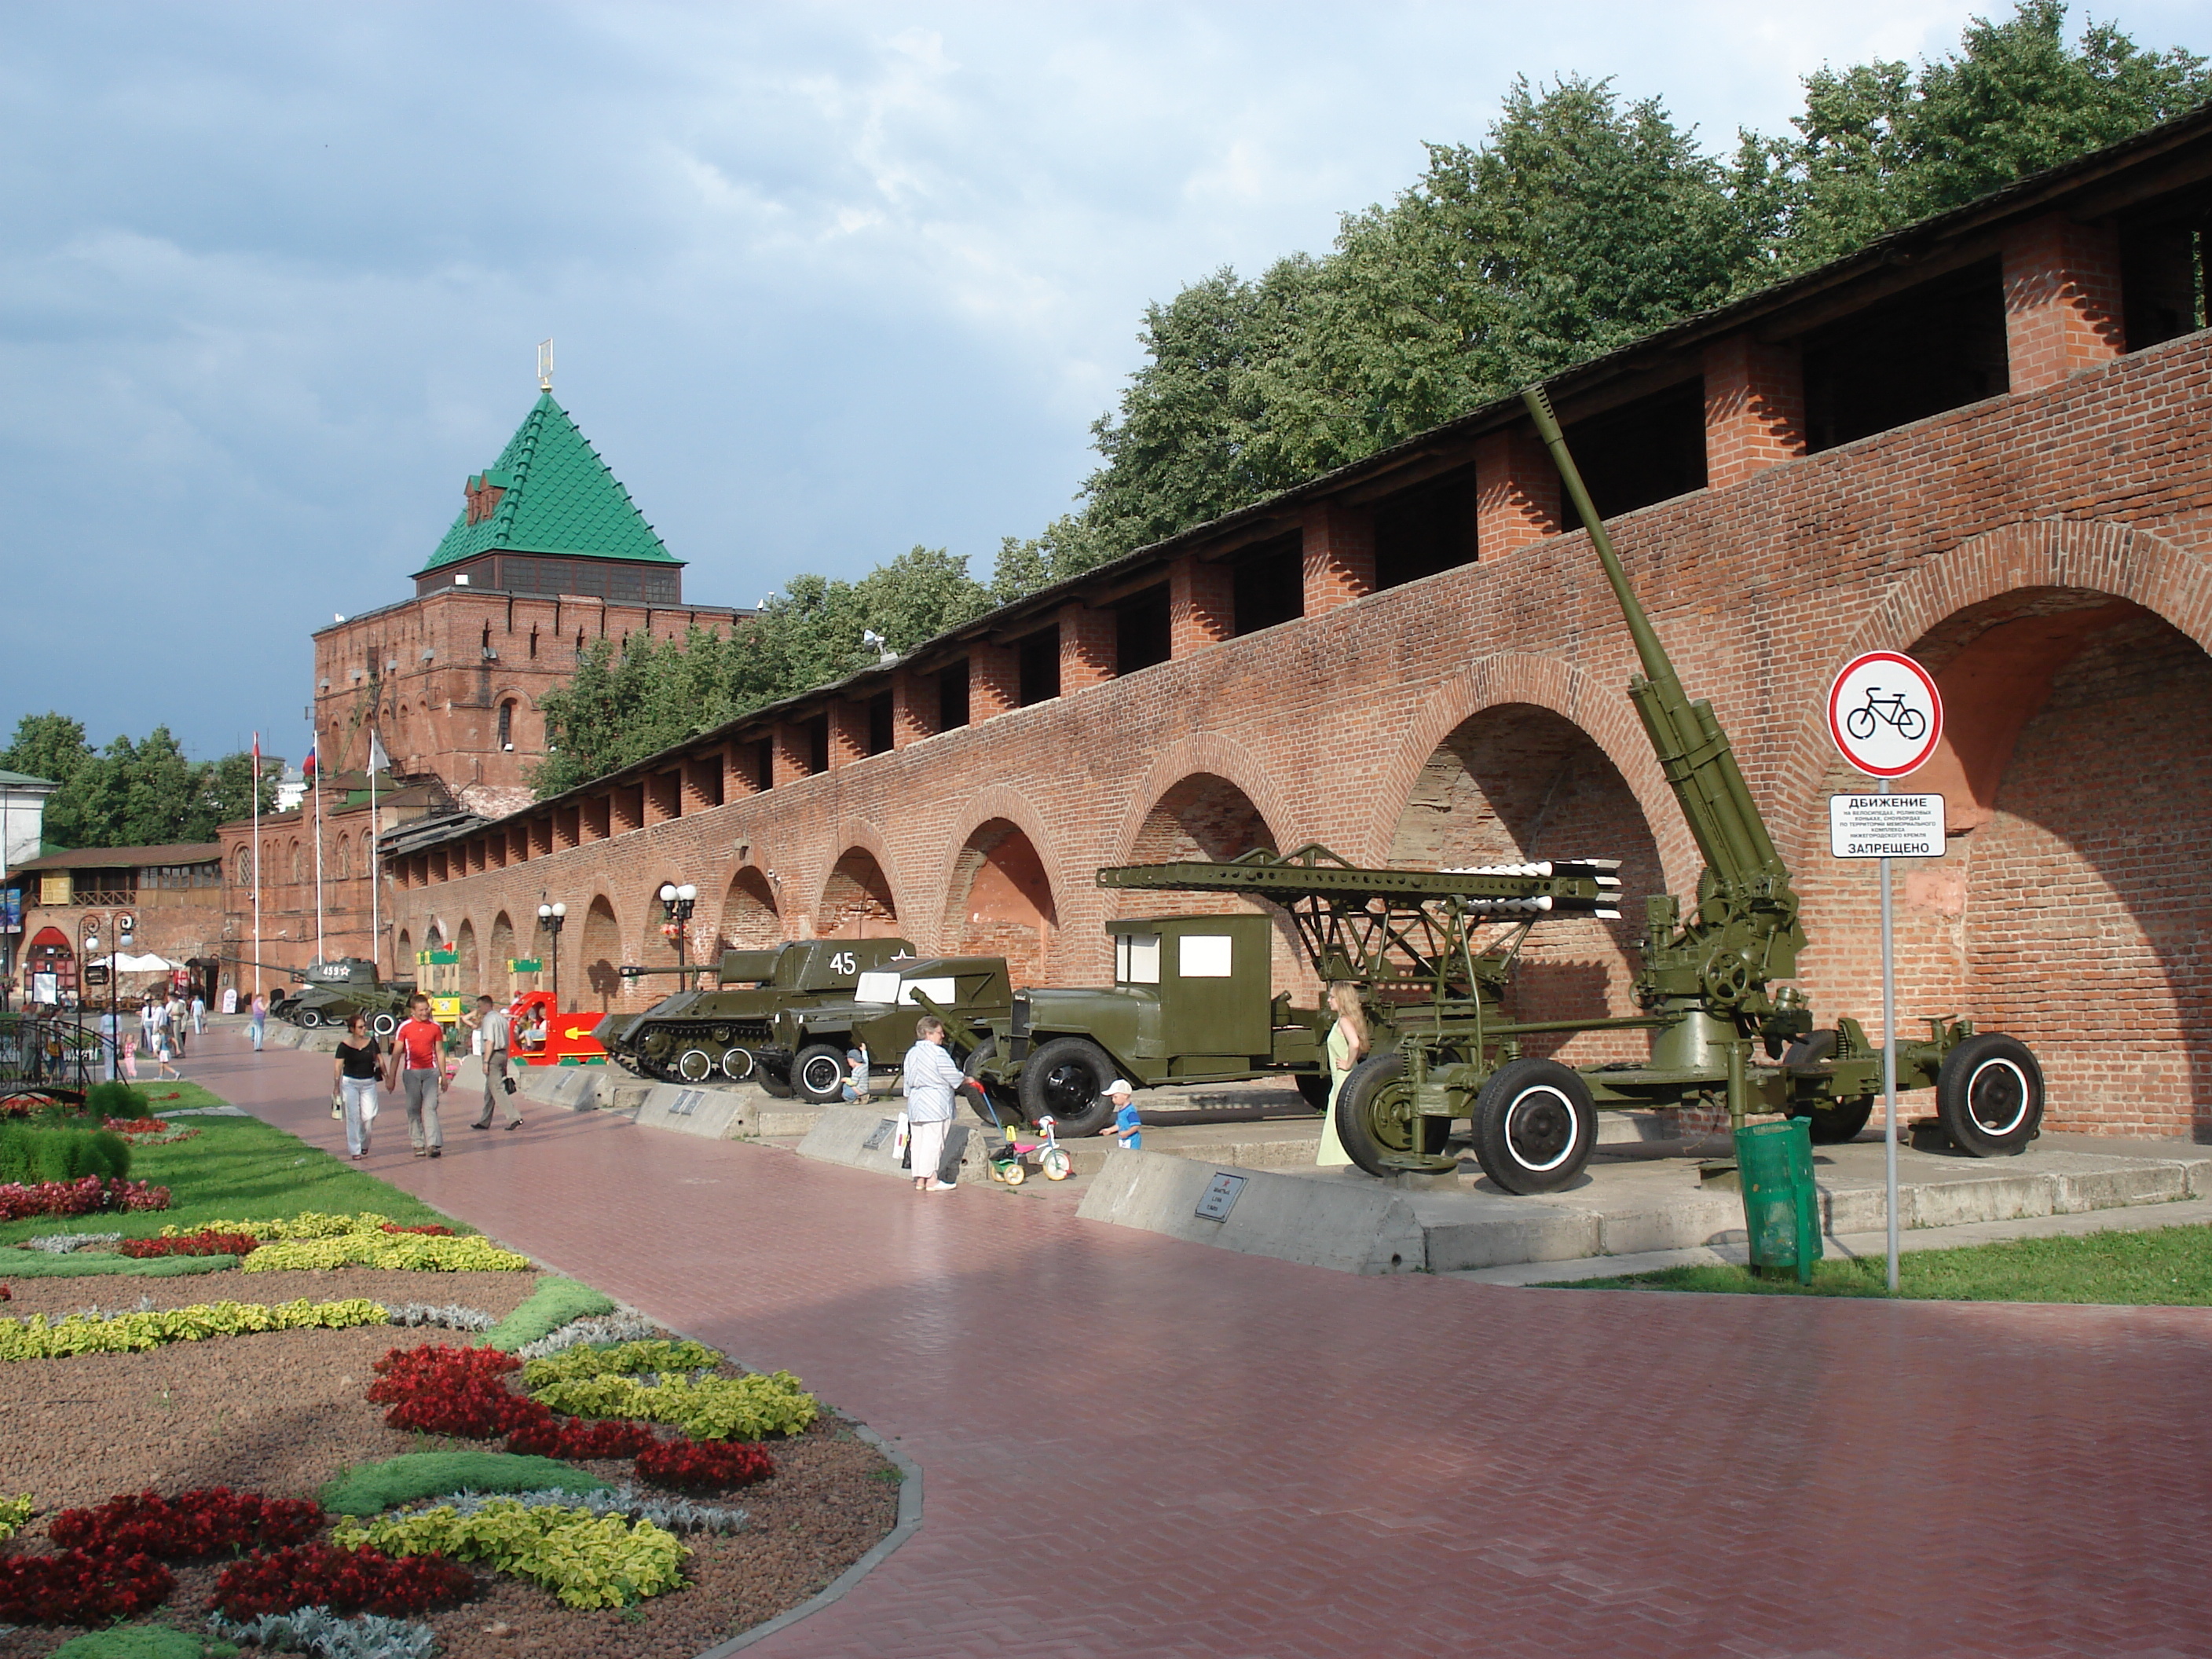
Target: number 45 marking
pixel 845 961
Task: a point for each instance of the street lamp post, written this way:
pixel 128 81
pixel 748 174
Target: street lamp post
pixel 554 917
pixel 677 902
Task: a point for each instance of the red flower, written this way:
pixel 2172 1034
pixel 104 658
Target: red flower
pixel 193 1523
pixel 80 1587
pixel 704 1465
pixel 346 1581
pixel 199 1244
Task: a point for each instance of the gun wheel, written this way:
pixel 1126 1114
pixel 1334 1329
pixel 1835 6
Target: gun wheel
pixel 1834 1122
pixel 1313 1087
pixel 1988 1094
pixel 1535 1125
pixel 1376 1120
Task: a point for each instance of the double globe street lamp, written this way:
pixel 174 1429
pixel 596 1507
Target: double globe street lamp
pixel 553 918
pixel 676 903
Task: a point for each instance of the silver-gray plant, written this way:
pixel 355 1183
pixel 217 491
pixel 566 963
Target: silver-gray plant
pixel 321 1631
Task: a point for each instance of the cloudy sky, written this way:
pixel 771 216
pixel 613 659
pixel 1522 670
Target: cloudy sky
pixel 826 281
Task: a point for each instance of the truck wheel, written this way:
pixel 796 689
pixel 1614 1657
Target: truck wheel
pixel 1533 1126
pixel 1375 1116
pixel 1990 1095
pixel 1066 1080
pixel 383 1024
pixel 1835 1121
pixel 817 1075
pixel 1314 1085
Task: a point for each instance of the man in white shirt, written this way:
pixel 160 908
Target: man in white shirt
pixel 493 1027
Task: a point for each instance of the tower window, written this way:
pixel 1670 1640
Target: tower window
pixel 507 725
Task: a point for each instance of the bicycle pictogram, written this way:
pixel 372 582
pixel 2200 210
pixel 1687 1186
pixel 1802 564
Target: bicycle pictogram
pixel 1910 723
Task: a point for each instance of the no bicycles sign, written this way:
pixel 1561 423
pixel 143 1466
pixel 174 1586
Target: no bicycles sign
pixel 1884 713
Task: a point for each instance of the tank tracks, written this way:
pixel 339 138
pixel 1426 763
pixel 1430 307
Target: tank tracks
pixel 695 1050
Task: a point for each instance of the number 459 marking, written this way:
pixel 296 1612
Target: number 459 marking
pixel 845 961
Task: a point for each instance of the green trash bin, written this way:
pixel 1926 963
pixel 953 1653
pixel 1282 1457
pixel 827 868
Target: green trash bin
pixel 1780 1207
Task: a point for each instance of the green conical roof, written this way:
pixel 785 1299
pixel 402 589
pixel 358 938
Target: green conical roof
pixel 559 498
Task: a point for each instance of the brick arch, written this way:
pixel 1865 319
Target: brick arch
pixel 599 937
pixel 747 907
pixel 1224 758
pixel 997 801
pixel 2171 583
pixel 655 949
pixel 861 836
pixel 1001 900
pixel 1607 719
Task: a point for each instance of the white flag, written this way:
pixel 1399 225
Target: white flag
pixel 378 760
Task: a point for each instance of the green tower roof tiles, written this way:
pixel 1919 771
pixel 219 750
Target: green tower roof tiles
pixel 559 498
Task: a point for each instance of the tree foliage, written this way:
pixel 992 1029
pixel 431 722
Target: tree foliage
pixel 1580 223
pixel 142 793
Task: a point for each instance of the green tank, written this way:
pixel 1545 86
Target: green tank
pixel 332 992
pixel 698 1035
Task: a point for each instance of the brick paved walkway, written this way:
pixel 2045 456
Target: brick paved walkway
pixel 1133 1446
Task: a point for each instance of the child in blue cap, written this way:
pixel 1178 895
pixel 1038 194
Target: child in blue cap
pixel 1126 1125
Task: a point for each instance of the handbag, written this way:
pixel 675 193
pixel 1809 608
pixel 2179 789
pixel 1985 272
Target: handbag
pixel 903 1143
pixel 337 1102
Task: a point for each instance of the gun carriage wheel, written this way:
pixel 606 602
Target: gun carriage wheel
pixel 1066 1080
pixel 1007 1102
pixel 773 1083
pixel 1376 1119
pixel 1989 1096
pixel 1834 1122
pixel 1535 1125
pixel 1314 1085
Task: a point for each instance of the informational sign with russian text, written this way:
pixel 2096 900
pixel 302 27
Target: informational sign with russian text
pixel 1886 826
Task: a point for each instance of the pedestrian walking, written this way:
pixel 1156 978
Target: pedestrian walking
pixel 146 1022
pixel 173 1008
pixel 1347 1047
pixel 199 1014
pixel 413 1070
pixel 494 1030
pixel 358 1068
pixel 165 1054
pixel 931 1078
pixel 110 1025
pixel 258 1019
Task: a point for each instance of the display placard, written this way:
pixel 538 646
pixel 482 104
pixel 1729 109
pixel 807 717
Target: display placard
pixel 1886 826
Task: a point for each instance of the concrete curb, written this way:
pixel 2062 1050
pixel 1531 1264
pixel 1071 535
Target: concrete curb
pixel 910 1523
pixel 1353 1224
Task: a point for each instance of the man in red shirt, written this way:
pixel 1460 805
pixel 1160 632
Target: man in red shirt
pixel 416 1047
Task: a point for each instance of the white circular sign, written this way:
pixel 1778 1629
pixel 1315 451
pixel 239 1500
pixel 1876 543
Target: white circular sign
pixel 1884 713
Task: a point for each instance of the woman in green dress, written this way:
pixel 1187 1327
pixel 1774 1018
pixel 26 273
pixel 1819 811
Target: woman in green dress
pixel 1347 1047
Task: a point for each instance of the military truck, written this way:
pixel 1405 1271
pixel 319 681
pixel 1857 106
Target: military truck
pixel 1192 1002
pixel 698 1034
pixel 808 1042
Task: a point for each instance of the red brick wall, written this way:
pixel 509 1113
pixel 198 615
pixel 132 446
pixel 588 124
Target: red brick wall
pixel 2100 482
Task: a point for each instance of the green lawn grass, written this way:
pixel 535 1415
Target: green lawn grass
pixel 2169 1265
pixel 235 1169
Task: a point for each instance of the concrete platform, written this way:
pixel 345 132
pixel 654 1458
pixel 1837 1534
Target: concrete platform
pixel 1639 1202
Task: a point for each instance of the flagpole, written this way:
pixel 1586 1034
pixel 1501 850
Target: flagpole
pixel 257 864
pixel 315 789
pixel 375 866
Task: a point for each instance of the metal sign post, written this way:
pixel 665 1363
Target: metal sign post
pixel 1887 717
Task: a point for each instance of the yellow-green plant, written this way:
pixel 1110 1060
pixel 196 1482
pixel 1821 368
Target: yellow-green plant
pixel 38 1338
pixel 622 1359
pixel 716 1408
pixel 469 1254
pixel 309 1224
pixel 587 1560
pixel 14 1512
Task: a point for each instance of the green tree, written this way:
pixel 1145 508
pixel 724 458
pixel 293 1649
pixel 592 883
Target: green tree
pixel 130 794
pixel 1879 145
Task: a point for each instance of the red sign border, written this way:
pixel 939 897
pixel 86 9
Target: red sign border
pixel 1935 726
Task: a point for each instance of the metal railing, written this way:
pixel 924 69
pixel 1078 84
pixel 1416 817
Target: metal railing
pixel 57 1059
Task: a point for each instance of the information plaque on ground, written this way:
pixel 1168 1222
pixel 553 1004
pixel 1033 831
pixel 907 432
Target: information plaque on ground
pixel 1886 826
pixel 1220 1196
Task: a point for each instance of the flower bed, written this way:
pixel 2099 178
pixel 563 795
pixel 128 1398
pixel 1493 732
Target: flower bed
pixel 588 1560
pixel 203 1242
pixel 310 1223
pixel 83 1197
pixel 36 1337
pixel 191 1524
pixel 472 1254
pixel 344 1580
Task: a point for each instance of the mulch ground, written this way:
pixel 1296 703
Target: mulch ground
pixel 282 1412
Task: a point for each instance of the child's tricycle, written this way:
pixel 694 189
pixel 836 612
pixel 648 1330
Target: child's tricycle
pixel 1011 1160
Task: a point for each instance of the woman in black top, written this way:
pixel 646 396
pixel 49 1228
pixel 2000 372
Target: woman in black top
pixel 358 1069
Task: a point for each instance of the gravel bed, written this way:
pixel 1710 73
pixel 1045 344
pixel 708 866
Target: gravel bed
pixel 280 1413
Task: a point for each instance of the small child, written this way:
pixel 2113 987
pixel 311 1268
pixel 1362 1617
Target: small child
pixel 1126 1125
pixel 856 1074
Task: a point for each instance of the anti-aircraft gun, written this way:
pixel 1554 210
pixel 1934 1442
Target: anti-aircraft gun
pixel 1708 974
